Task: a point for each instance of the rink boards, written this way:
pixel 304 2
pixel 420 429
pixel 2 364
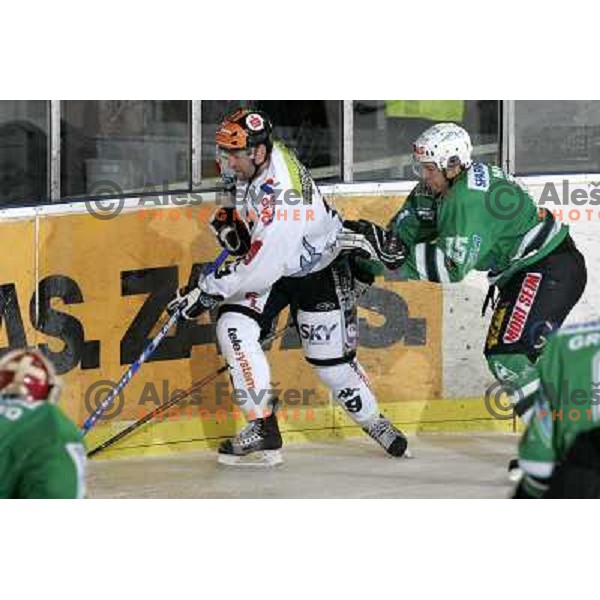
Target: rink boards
pixel 102 287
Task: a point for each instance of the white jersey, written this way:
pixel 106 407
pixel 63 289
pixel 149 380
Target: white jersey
pixel 293 230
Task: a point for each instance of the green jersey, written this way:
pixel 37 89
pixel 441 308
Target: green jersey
pixel 41 452
pixel 565 383
pixel 484 222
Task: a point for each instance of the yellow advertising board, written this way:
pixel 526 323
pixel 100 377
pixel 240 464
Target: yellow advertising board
pixel 103 287
pixel 18 303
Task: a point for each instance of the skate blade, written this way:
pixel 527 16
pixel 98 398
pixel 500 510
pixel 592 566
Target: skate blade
pixel 515 475
pixel 264 458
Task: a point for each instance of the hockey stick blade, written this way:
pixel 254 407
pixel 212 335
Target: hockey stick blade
pixel 176 398
pixel 157 411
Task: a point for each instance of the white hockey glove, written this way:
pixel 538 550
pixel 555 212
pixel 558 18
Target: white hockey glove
pixel 373 241
pixel 192 303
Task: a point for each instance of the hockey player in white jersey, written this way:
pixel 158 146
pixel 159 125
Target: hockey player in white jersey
pixel 287 253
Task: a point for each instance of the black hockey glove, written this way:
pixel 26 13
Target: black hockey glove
pixel 363 272
pixel 374 242
pixel 231 230
pixel 192 303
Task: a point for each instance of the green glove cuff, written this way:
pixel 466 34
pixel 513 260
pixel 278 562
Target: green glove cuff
pixel 370 266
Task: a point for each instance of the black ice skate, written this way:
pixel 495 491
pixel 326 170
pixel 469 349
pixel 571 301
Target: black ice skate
pixel 392 440
pixel 259 443
pixel 515 474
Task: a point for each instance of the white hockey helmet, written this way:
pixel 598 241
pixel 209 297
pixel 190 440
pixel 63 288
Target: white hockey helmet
pixel 445 145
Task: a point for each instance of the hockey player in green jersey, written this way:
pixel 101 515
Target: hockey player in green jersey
pixel 41 451
pixel 559 452
pixel 464 216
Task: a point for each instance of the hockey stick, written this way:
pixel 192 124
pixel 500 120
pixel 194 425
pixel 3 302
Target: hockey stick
pixel 157 411
pixel 174 400
pixel 148 351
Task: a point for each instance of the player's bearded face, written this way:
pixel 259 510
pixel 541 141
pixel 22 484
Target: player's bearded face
pixel 241 163
pixel 433 177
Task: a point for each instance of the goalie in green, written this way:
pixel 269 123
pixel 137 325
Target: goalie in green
pixel 41 452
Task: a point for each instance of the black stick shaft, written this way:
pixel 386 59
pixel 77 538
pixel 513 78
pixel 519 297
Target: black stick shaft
pixel 166 405
pixel 157 411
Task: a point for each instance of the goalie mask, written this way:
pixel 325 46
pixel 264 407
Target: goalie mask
pixel 29 375
pixel 445 145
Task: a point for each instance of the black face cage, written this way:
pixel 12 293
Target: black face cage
pixel 453 161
